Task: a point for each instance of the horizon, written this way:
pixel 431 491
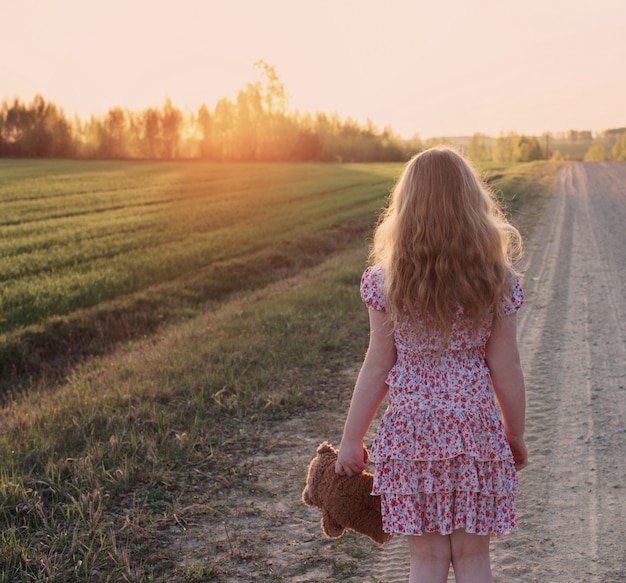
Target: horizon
pixel 559 135
pixel 419 69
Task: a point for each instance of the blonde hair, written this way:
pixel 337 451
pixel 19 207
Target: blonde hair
pixel 444 241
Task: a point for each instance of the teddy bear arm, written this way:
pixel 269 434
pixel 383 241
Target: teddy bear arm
pixel 307 498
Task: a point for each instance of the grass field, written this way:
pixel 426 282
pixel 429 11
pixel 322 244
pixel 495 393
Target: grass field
pixel 210 301
pixel 103 251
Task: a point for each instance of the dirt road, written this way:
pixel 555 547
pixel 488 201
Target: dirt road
pixel 572 509
pixel 573 346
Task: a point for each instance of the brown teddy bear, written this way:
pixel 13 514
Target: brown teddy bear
pixel 345 502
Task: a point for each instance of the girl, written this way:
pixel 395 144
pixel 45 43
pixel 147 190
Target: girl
pixel 442 299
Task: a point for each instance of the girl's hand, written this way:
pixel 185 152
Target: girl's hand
pixel 350 460
pixel 520 452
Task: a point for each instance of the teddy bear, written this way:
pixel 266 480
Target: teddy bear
pixel 345 502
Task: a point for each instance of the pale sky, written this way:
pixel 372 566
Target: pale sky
pixel 436 67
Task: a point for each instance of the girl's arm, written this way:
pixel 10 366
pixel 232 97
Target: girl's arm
pixel 508 382
pixel 369 392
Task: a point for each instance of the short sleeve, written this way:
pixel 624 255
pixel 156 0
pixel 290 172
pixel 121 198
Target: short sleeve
pixel 372 290
pixel 513 302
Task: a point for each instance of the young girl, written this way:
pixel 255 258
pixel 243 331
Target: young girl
pixel 442 299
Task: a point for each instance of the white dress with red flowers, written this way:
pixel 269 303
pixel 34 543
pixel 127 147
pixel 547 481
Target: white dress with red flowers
pixel 441 455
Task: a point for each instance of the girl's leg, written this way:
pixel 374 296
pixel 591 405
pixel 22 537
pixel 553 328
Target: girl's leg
pixel 470 557
pixel 430 558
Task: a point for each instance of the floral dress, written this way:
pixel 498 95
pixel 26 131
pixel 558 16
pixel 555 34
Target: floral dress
pixel 441 454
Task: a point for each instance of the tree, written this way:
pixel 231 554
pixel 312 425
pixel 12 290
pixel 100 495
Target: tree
pixel 504 148
pixel 619 149
pixel 112 144
pixel 273 90
pixel 151 133
pixel 36 139
pixel 478 149
pixel 527 149
pixel 595 153
pixel 12 125
pixel 171 122
pixel 276 138
pixel 515 148
pixel 308 145
pixel 556 156
pixel 204 123
pixel 64 143
pixel 224 116
pixel 38 129
pixel 249 117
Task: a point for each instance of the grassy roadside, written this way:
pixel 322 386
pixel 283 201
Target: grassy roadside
pixel 94 469
pixel 522 188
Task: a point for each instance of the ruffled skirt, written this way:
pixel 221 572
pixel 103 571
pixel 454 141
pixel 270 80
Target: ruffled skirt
pixel 444 495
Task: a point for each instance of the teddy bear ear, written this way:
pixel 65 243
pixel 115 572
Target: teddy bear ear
pixel 365 455
pixel 325 447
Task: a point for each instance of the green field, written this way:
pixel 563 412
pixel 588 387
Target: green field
pixel 77 234
pixel 158 320
pixel 104 250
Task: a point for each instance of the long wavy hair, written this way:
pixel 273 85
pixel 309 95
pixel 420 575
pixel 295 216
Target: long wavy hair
pixel 444 242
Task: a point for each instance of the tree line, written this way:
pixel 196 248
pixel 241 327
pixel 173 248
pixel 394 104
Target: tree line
pixel 512 147
pixel 255 126
pixel 610 146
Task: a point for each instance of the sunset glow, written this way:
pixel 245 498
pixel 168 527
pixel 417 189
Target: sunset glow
pixel 436 68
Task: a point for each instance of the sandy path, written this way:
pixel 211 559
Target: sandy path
pixel 572 508
pixel 571 332
pixel 573 502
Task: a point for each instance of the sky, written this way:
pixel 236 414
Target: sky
pixel 432 68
